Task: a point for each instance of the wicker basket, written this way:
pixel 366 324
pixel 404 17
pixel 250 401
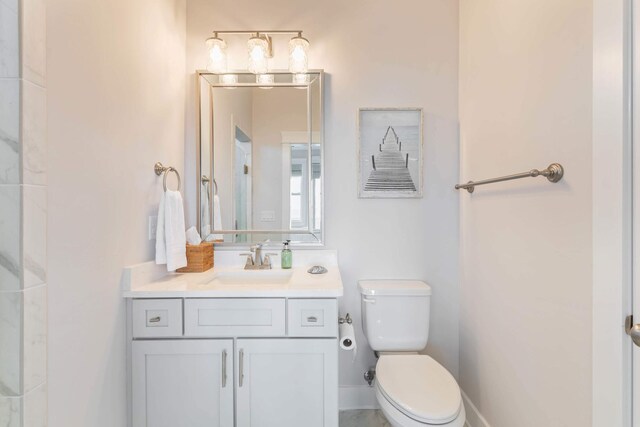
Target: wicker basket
pixel 199 258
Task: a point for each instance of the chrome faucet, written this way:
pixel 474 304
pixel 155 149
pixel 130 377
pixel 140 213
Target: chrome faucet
pixel 255 261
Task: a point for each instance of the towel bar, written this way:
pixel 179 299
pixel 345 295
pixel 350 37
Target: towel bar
pixel 554 173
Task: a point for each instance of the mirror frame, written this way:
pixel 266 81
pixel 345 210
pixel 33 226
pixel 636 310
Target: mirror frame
pixel 319 236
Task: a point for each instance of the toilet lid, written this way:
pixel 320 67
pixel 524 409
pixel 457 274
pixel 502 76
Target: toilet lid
pixel 419 387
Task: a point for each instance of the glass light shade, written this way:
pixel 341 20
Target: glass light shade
pixel 300 79
pixel 217 55
pixel 229 79
pixel 258 55
pixel 265 80
pixel 298 55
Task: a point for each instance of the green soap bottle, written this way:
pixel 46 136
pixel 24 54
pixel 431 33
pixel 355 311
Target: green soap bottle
pixel 287 256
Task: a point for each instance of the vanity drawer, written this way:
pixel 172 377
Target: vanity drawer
pixel 157 318
pixel 313 318
pixel 234 317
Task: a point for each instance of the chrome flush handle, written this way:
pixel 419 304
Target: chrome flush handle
pixel 632 330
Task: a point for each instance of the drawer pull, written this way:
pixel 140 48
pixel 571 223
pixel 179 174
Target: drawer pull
pixel 154 319
pixel 312 319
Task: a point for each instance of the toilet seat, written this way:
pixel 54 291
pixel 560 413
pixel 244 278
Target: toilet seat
pixel 419 387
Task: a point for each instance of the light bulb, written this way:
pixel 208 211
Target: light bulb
pixel 300 79
pixel 229 79
pixel 298 54
pixel 258 48
pixel 217 55
pixel 265 80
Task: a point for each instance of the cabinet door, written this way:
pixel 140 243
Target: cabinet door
pixel 287 382
pixel 182 383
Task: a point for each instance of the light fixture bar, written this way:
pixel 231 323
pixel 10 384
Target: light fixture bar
pixel 267 32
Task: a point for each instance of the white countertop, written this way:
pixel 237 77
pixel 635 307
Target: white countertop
pixel 149 280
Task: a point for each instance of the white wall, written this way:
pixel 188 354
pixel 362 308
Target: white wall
pixel 116 106
pixel 376 54
pixel 526 299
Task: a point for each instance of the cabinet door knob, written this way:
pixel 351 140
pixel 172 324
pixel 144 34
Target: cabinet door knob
pixel 312 319
pixel 154 319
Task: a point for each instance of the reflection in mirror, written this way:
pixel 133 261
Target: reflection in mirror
pixel 262 146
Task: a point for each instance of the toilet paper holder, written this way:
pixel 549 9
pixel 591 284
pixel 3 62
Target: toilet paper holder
pixel 347 319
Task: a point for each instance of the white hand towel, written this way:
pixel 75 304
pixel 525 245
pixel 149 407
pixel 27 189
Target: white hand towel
pixel 161 247
pixel 204 210
pixel 171 239
pixel 217 217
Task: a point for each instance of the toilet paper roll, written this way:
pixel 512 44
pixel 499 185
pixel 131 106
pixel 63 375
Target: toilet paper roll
pixel 348 338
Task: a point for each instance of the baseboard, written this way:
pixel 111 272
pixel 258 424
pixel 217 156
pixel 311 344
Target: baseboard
pixel 357 397
pixel 474 417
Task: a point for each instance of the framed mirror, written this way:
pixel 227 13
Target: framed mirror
pixel 261 159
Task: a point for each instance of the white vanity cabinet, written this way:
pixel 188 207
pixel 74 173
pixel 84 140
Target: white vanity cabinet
pixel 234 362
pixel 287 382
pixel 182 383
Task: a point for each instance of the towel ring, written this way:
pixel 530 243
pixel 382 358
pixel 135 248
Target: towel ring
pixel 205 180
pixel 159 169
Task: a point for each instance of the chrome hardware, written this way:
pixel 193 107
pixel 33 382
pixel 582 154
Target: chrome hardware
pixel 255 261
pixel 224 368
pixel 154 319
pixel 346 319
pixel 159 169
pixel 248 265
pixel 632 330
pixel 369 376
pixel 554 173
pixel 312 319
pixel 241 368
pixel 267 260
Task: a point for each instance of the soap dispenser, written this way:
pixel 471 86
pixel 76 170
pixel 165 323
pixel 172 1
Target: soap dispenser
pixel 287 256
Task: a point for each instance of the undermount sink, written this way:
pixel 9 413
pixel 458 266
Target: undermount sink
pixel 251 277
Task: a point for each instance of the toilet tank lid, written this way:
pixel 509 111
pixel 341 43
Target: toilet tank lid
pixel 394 287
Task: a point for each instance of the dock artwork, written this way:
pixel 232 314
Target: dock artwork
pixel 390 153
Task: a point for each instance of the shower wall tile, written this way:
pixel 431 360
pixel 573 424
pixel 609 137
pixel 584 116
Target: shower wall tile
pixel 35 408
pixel 10 343
pixel 9 131
pixel 34 338
pixel 34 128
pixel 10 411
pixel 34 235
pixel 10 244
pixel 9 40
pixel 34 41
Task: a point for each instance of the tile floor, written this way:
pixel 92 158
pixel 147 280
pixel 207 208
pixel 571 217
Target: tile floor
pixel 363 418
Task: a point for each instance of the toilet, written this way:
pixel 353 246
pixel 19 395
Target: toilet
pixel 413 390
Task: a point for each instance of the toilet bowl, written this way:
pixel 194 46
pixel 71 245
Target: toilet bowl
pixel 416 391
pixel 413 390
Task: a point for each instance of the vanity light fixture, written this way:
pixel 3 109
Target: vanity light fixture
pixel 300 79
pixel 298 54
pixel 229 79
pixel 259 50
pixel 217 54
pixel 265 80
pixel 258 47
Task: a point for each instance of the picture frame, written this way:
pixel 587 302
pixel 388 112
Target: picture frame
pixel 390 153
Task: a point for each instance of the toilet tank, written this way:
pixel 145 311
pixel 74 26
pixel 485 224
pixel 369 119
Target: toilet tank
pixel 395 314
